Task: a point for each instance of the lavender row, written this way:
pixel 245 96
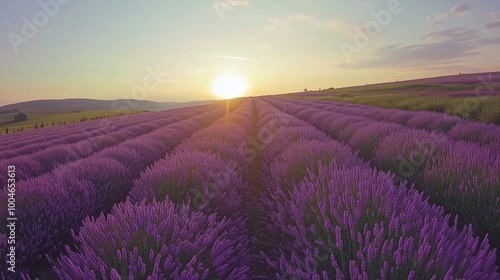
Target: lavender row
pixel 92 130
pixel 462 177
pixel 338 218
pixel 161 240
pixel 184 218
pixel 454 127
pixel 209 164
pixel 26 137
pixel 49 207
pixel 44 161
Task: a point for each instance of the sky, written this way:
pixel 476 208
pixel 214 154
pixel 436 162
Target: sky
pixel 173 50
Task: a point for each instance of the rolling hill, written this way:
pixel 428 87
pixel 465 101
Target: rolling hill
pixel 93 104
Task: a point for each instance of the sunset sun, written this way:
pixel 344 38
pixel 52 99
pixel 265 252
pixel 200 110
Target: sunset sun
pixel 230 85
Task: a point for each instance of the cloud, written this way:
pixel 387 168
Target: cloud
pixel 236 3
pixel 459 33
pixel 493 24
pixel 242 3
pixel 494 16
pixel 461 9
pixel 490 41
pixel 305 20
pixel 223 56
pixel 458 10
pixel 446 46
pixel 293 18
pixel 437 18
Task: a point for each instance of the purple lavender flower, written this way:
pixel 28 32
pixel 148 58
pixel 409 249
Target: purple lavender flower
pixel 160 240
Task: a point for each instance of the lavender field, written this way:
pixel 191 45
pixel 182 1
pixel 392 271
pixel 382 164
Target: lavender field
pixel 258 188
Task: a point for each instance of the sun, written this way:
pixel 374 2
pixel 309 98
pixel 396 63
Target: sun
pixel 230 85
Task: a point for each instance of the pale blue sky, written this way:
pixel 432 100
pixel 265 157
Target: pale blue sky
pixel 101 49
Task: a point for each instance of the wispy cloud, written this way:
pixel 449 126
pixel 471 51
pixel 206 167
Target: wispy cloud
pixel 494 17
pixel 236 3
pixel 233 3
pixel 458 10
pixel 493 24
pixel 446 46
pixel 222 6
pixel 461 9
pixel 224 57
pixel 459 33
pixel 305 20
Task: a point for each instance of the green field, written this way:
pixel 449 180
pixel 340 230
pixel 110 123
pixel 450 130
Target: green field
pixel 50 117
pixel 421 97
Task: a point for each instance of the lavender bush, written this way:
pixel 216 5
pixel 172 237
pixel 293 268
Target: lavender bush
pixel 156 241
pixel 353 223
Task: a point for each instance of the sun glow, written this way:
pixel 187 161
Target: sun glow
pixel 230 85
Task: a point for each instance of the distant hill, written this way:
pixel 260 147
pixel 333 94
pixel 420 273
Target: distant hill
pixel 466 79
pixel 463 78
pixel 93 104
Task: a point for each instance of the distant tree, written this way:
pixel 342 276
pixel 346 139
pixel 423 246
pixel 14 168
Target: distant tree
pixel 36 125
pixel 7 130
pixel 52 123
pixel 42 125
pixel 20 117
pixel 305 89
